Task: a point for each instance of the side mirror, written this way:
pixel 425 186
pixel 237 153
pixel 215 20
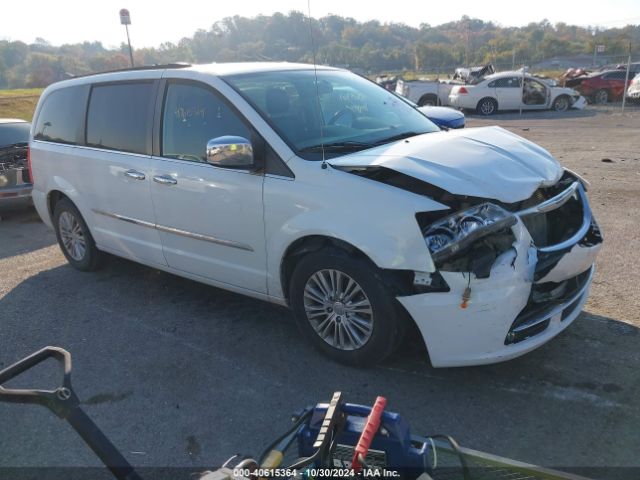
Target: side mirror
pixel 230 152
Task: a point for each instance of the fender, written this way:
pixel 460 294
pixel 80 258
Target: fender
pixel 377 219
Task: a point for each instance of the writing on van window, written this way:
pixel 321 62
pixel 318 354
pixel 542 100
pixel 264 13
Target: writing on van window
pixel 353 101
pixel 194 115
pixel 185 113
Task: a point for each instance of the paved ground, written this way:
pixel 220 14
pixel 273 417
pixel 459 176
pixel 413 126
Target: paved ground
pixel 181 374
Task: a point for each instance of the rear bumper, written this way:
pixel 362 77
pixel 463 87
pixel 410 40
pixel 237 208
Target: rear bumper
pixel 39 199
pixel 455 101
pixel 507 314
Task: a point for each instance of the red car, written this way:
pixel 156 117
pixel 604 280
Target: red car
pixel 602 87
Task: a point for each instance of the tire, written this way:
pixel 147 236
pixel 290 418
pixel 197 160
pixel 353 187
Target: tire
pixel 562 103
pixel 385 324
pixel 429 100
pixel 74 237
pixel 601 97
pixel 487 106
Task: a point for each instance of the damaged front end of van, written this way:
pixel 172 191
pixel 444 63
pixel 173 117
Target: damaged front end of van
pixel 513 247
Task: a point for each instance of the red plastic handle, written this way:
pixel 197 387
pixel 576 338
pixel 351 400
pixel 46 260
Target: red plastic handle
pixel 369 432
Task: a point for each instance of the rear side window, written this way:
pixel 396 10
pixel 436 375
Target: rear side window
pixel 62 115
pixel 119 117
pixel 619 75
pixel 506 82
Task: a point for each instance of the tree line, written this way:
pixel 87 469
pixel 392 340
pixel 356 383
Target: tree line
pixel 371 47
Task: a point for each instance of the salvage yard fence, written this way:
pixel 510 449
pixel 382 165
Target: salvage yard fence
pixel 551 68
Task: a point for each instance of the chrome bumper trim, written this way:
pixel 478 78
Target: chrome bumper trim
pixel 575 189
pixel 553 203
pixel 176 231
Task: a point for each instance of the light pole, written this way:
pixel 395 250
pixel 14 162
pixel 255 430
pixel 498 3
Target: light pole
pixel 125 19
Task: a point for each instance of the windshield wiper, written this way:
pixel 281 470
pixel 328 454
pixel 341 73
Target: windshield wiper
pixel 400 136
pixel 347 146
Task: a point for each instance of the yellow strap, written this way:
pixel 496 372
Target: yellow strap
pixel 273 460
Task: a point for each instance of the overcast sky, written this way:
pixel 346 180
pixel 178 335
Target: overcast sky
pixel 154 22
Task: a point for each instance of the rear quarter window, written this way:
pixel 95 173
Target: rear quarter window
pixel 119 117
pixel 61 116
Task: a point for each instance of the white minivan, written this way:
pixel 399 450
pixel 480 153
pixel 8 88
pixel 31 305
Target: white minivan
pixel 317 189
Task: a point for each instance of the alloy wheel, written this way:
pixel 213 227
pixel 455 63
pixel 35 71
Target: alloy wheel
pixel 72 236
pixel 602 96
pixel 562 104
pixel 338 309
pixel 487 107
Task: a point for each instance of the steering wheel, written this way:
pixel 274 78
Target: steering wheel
pixel 341 113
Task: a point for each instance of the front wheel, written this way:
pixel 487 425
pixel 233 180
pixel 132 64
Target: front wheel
pixel 74 237
pixel 561 104
pixel 341 304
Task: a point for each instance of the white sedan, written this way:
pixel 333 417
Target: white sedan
pixel 505 91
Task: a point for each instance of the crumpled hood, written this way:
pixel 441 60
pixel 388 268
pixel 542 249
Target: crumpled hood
pixel 488 162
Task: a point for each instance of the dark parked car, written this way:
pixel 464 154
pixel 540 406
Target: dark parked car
pixel 602 87
pixel 15 177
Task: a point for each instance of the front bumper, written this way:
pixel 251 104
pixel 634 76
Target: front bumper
pixel 633 94
pixel 15 187
pixel 15 197
pixel 505 316
pixel 579 103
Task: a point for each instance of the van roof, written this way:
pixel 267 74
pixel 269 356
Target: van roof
pixel 231 68
pixel 154 71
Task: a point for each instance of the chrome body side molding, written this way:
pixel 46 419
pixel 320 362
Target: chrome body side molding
pixel 176 231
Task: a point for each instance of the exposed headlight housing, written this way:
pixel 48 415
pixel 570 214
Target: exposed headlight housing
pixel 451 234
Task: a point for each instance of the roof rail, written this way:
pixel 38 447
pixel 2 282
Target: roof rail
pixel 158 66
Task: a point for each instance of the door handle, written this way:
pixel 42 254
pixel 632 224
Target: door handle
pixel 164 180
pixel 134 174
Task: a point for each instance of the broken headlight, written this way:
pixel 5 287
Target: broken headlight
pixel 454 233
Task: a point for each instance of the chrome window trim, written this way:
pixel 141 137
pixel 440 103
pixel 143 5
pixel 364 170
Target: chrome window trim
pixel 575 189
pixel 97 149
pixel 176 231
pixel 112 150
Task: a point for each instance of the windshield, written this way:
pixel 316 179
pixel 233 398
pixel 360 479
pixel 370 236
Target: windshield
pixel 341 113
pixel 12 133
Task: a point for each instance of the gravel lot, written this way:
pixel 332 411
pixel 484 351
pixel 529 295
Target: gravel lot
pixel 184 375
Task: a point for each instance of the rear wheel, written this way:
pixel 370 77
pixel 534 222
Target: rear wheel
pixel 429 100
pixel 74 237
pixel 487 106
pixel 561 104
pixel 342 305
pixel 601 96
